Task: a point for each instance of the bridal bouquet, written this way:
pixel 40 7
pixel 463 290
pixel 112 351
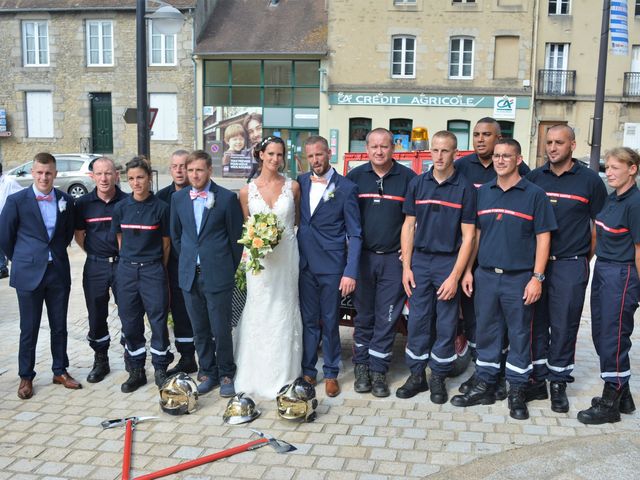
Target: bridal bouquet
pixel 260 234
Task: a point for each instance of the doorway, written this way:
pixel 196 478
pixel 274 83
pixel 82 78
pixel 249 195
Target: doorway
pixel 101 123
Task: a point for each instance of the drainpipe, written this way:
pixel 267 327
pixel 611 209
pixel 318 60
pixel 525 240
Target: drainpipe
pixel 534 78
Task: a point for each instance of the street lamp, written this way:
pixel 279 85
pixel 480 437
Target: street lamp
pixel 168 21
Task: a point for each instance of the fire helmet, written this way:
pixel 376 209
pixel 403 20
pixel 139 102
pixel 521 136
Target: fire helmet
pixel 297 400
pixel 240 409
pixel 179 394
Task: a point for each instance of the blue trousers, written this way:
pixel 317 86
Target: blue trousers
pixel 469 317
pixel 378 299
pixel 432 323
pixel 143 288
pixel 3 260
pixel 98 276
pixel 56 297
pixel 557 319
pixel 615 292
pixel 182 330
pixel 210 314
pixel 499 309
pixel 319 306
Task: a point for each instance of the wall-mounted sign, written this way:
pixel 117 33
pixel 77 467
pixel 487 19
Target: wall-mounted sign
pixel 420 100
pixel 504 107
pixel 333 144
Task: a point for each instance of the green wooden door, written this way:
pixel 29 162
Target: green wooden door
pixel 101 124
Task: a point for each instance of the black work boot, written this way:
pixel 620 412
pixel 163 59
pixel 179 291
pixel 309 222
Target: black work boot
pixel 137 378
pixel 379 387
pixel 606 408
pixel 627 405
pixel 416 383
pixel 481 393
pixel 438 389
pixel 559 400
pixel 468 384
pixel 160 376
pixel 501 388
pixel 517 404
pixel 186 364
pixel 100 367
pixel 535 390
pixel 362 383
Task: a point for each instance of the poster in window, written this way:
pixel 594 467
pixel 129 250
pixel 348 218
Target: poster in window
pixel 401 143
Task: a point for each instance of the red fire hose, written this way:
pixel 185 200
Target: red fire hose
pixel 126 461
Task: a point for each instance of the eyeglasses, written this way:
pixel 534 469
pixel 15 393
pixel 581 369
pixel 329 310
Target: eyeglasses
pixel 380 186
pixel 505 156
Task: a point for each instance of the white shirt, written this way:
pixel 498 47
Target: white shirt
pixel 317 190
pixel 8 186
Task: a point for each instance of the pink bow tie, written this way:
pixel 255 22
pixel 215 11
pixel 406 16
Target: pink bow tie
pixel 193 194
pixel 43 198
pixel 315 179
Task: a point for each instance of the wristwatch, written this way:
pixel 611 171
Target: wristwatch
pixel 539 276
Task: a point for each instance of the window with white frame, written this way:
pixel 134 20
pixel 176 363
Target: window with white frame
pixel 39 108
pixel 461 57
pixel 162 48
pixel 559 7
pixel 637 8
pixel 463 1
pixel 35 43
pixel 99 43
pixel 404 2
pixel 403 57
pixel 165 126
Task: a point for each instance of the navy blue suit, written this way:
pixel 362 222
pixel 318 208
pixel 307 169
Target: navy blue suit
pixel 25 240
pixel 208 285
pixel 329 241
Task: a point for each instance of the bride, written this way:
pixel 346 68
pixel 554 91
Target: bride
pixel 268 339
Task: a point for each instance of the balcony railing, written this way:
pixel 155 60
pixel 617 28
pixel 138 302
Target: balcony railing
pixel 631 86
pixel 557 82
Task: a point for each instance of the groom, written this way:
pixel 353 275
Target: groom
pixel 329 240
pixel 206 223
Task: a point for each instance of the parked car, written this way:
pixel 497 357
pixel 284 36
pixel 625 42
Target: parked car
pixel 73 177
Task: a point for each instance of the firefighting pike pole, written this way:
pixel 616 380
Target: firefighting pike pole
pixel 129 423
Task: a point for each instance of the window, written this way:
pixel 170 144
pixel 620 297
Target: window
pixel 506 128
pixel 404 2
pixel 162 48
pixel 556 76
pixel 460 128
pixel 559 7
pixel 461 57
pixel 505 54
pixel 99 43
pixel 35 43
pixel 403 57
pixel 39 106
pixel 463 1
pixel 637 8
pixel 165 126
pixel 358 130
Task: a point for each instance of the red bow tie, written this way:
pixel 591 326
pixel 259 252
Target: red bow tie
pixel 43 198
pixel 315 179
pixel 193 194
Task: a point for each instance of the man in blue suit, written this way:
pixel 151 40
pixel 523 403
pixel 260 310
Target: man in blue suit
pixel 329 240
pixel 206 223
pixel 37 227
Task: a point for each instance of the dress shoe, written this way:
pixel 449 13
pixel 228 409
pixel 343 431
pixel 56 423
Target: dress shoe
pixel 415 384
pixel 331 387
pixel 627 405
pixel 227 388
pixel 160 376
pixel 517 404
pixel 137 378
pixel 207 384
pixel 310 380
pixel 468 384
pixel 606 408
pixel 535 390
pixel 100 367
pixel 501 388
pixel 25 390
pixel 438 389
pixel 362 383
pixel 379 387
pixel 481 393
pixel 186 364
pixel 67 381
pixel 559 400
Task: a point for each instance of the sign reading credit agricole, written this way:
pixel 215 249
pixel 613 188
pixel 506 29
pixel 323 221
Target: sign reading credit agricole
pixel 418 100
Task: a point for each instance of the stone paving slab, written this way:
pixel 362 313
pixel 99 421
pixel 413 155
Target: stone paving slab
pixel 56 434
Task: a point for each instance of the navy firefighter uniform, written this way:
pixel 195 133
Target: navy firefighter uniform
pixel 615 288
pixel 478 174
pixel 508 222
pixel 577 196
pixel 181 324
pixel 379 296
pixel 439 209
pixel 93 217
pixel 142 278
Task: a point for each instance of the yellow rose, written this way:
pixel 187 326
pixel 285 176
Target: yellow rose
pixel 257 243
pixel 250 231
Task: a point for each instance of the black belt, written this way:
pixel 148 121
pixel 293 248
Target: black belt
pixel 97 258
pixel 553 257
pixel 379 252
pixel 141 264
pixel 500 271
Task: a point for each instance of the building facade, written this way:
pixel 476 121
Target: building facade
pixel 69 75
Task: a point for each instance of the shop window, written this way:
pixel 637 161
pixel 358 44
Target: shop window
pixel 277 72
pixel 216 71
pixel 358 129
pixel 245 72
pixel 506 128
pixel 277 96
pixel 460 128
pixel 307 73
pixel 245 96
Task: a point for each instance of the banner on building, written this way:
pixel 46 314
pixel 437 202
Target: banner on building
pixel 619 28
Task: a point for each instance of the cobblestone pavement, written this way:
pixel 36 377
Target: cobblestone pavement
pixel 56 434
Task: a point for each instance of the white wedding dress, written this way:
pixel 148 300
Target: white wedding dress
pixel 268 339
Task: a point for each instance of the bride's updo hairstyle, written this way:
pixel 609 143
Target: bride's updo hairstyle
pixel 262 146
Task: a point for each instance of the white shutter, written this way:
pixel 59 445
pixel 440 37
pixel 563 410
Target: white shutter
pixel 165 126
pixel 39 115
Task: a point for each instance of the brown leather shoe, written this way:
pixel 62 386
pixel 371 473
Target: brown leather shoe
pixel 310 379
pixel 25 390
pixel 332 387
pixel 67 381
